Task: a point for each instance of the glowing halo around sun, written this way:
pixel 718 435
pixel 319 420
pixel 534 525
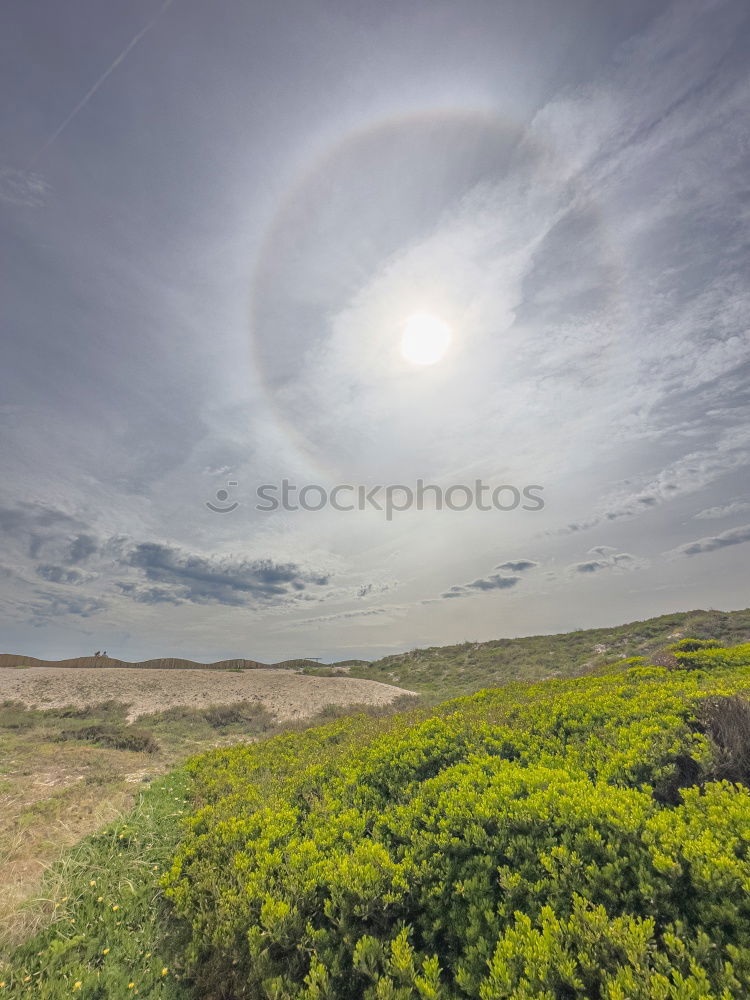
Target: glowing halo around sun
pixel 425 339
pixel 397 143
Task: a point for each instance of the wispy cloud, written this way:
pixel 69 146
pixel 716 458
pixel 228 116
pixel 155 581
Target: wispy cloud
pixel 50 605
pixel 24 188
pixel 496 581
pixel 735 536
pixel 59 574
pixel 74 555
pixel 690 473
pixel 518 566
pixel 389 612
pixel 607 558
pixel 723 510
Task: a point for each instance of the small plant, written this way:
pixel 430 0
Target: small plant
pixel 251 716
pixel 709 656
pixel 665 658
pixel 692 645
pixel 116 737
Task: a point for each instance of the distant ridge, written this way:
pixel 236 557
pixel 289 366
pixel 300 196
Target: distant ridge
pixel 446 671
pixel 162 663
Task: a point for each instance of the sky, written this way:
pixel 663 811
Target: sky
pixel 217 222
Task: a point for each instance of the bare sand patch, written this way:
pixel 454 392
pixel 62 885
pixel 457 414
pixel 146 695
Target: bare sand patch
pixel 285 693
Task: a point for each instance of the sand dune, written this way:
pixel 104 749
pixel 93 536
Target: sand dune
pixel 289 695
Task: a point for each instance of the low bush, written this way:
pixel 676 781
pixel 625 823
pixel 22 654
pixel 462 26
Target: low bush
pixel 244 712
pixel 709 656
pixel 726 721
pixel 15 715
pixel 252 716
pixel 116 737
pixel 665 658
pixel 111 709
pixel 693 645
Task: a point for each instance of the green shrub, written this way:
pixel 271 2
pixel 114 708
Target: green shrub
pixel 559 840
pixel 710 657
pixel 693 645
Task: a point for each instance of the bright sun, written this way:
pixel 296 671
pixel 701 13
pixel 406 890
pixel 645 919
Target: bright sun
pixel 425 339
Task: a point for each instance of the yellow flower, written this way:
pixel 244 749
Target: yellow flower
pixel 131 985
pixel 148 954
pixel 116 906
pixel 92 882
pixel 106 951
pixel 164 971
pixel 77 985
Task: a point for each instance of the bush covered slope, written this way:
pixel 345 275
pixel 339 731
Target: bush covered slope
pixel 446 671
pixel 563 840
pixel 584 838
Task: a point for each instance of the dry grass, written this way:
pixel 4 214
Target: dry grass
pixel 71 760
pixel 52 795
pixel 726 721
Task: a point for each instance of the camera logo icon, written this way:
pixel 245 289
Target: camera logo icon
pixel 222 496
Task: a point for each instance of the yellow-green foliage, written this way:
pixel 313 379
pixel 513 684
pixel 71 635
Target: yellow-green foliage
pixel 568 839
pixel 692 654
pixel 554 841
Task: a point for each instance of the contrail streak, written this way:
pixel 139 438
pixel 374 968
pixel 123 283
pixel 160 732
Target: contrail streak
pixel 107 73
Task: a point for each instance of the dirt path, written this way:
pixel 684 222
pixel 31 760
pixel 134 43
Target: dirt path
pixel 286 694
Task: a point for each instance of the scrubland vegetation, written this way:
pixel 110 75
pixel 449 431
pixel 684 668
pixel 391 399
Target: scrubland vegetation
pixel 67 771
pixel 573 838
pixel 441 672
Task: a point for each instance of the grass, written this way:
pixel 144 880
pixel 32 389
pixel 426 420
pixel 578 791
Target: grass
pixel 64 889
pixel 103 909
pixel 67 772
